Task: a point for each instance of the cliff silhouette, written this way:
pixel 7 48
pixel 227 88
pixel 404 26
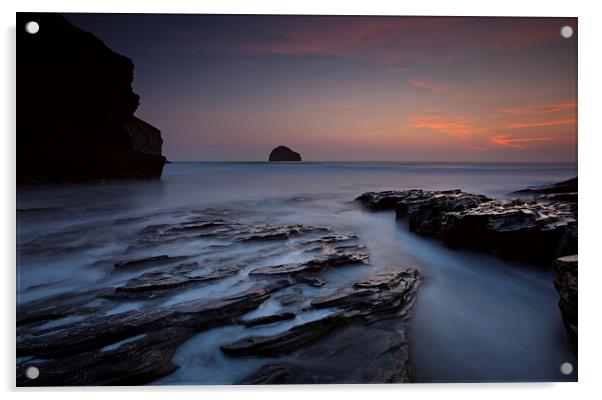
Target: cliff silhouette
pixel 75 108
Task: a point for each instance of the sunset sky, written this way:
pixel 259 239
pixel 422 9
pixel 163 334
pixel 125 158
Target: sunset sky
pixel 230 88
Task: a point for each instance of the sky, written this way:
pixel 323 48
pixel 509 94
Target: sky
pixel 345 88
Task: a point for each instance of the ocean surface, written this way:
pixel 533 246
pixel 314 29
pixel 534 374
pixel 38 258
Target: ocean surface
pixel 477 317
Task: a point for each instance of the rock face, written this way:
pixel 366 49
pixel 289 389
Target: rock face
pixel 75 108
pixel 531 231
pixel 283 153
pixel 368 321
pixel 535 230
pixel 566 285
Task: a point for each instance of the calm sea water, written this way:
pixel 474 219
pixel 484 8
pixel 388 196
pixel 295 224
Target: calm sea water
pixel 477 318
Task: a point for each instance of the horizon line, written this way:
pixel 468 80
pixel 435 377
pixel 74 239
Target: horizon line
pixel 373 161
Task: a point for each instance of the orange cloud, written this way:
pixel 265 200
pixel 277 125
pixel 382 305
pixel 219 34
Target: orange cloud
pixel 459 126
pixel 515 125
pixel 491 126
pixel 537 110
pixel 515 143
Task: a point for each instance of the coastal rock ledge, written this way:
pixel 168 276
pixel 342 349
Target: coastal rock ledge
pixel 536 230
pixel 75 109
pixel 283 153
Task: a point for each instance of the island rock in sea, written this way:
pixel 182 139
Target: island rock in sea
pixel 75 113
pixel 283 153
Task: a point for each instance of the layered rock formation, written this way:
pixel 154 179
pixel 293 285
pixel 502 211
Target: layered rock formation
pixel 349 333
pixel 75 108
pixel 283 153
pixel 535 230
pixel 368 321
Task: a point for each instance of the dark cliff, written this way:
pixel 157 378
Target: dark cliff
pixel 75 108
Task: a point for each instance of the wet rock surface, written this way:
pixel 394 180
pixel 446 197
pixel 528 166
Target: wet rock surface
pixel 268 319
pixel 376 307
pixel 533 231
pixel 536 229
pixel 181 274
pixel 566 284
pixel 129 348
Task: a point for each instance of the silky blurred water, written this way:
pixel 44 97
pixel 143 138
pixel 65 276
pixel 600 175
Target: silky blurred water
pixel 477 318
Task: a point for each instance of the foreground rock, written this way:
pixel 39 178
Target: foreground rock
pixel 391 291
pixel 76 108
pixel 155 283
pixel 362 342
pixel 128 348
pixel 312 267
pixel 128 333
pixel 351 354
pixel 566 285
pixel 371 320
pixel 270 319
pixel 532 230
pixel 283 153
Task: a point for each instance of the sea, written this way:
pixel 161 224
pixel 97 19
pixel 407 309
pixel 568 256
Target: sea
pixel 477 318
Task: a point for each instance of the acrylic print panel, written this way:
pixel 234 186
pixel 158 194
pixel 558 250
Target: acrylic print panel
pixel 254 199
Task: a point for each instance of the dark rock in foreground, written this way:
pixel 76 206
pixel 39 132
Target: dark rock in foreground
pixel 269 374
pixel 290 340
pixel 533 230
pixel 354 335
pixel 391 292
pixel 269 319
pixel 342 345
pixel 315 265
pixel 566 285
pixel 130 348
pixel 283 153
pixel 149 261
pixel 75 109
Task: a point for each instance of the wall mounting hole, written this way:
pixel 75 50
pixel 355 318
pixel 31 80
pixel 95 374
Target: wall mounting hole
pixel 566 31
pixel 32 372
pixel 32 27
pixel 566 368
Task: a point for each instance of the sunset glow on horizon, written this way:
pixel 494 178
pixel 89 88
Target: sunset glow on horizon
pixel 333 88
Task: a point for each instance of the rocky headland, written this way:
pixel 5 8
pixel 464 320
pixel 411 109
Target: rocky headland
pixel 75 109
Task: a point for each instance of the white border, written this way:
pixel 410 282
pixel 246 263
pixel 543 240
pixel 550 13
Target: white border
pixel 590 201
